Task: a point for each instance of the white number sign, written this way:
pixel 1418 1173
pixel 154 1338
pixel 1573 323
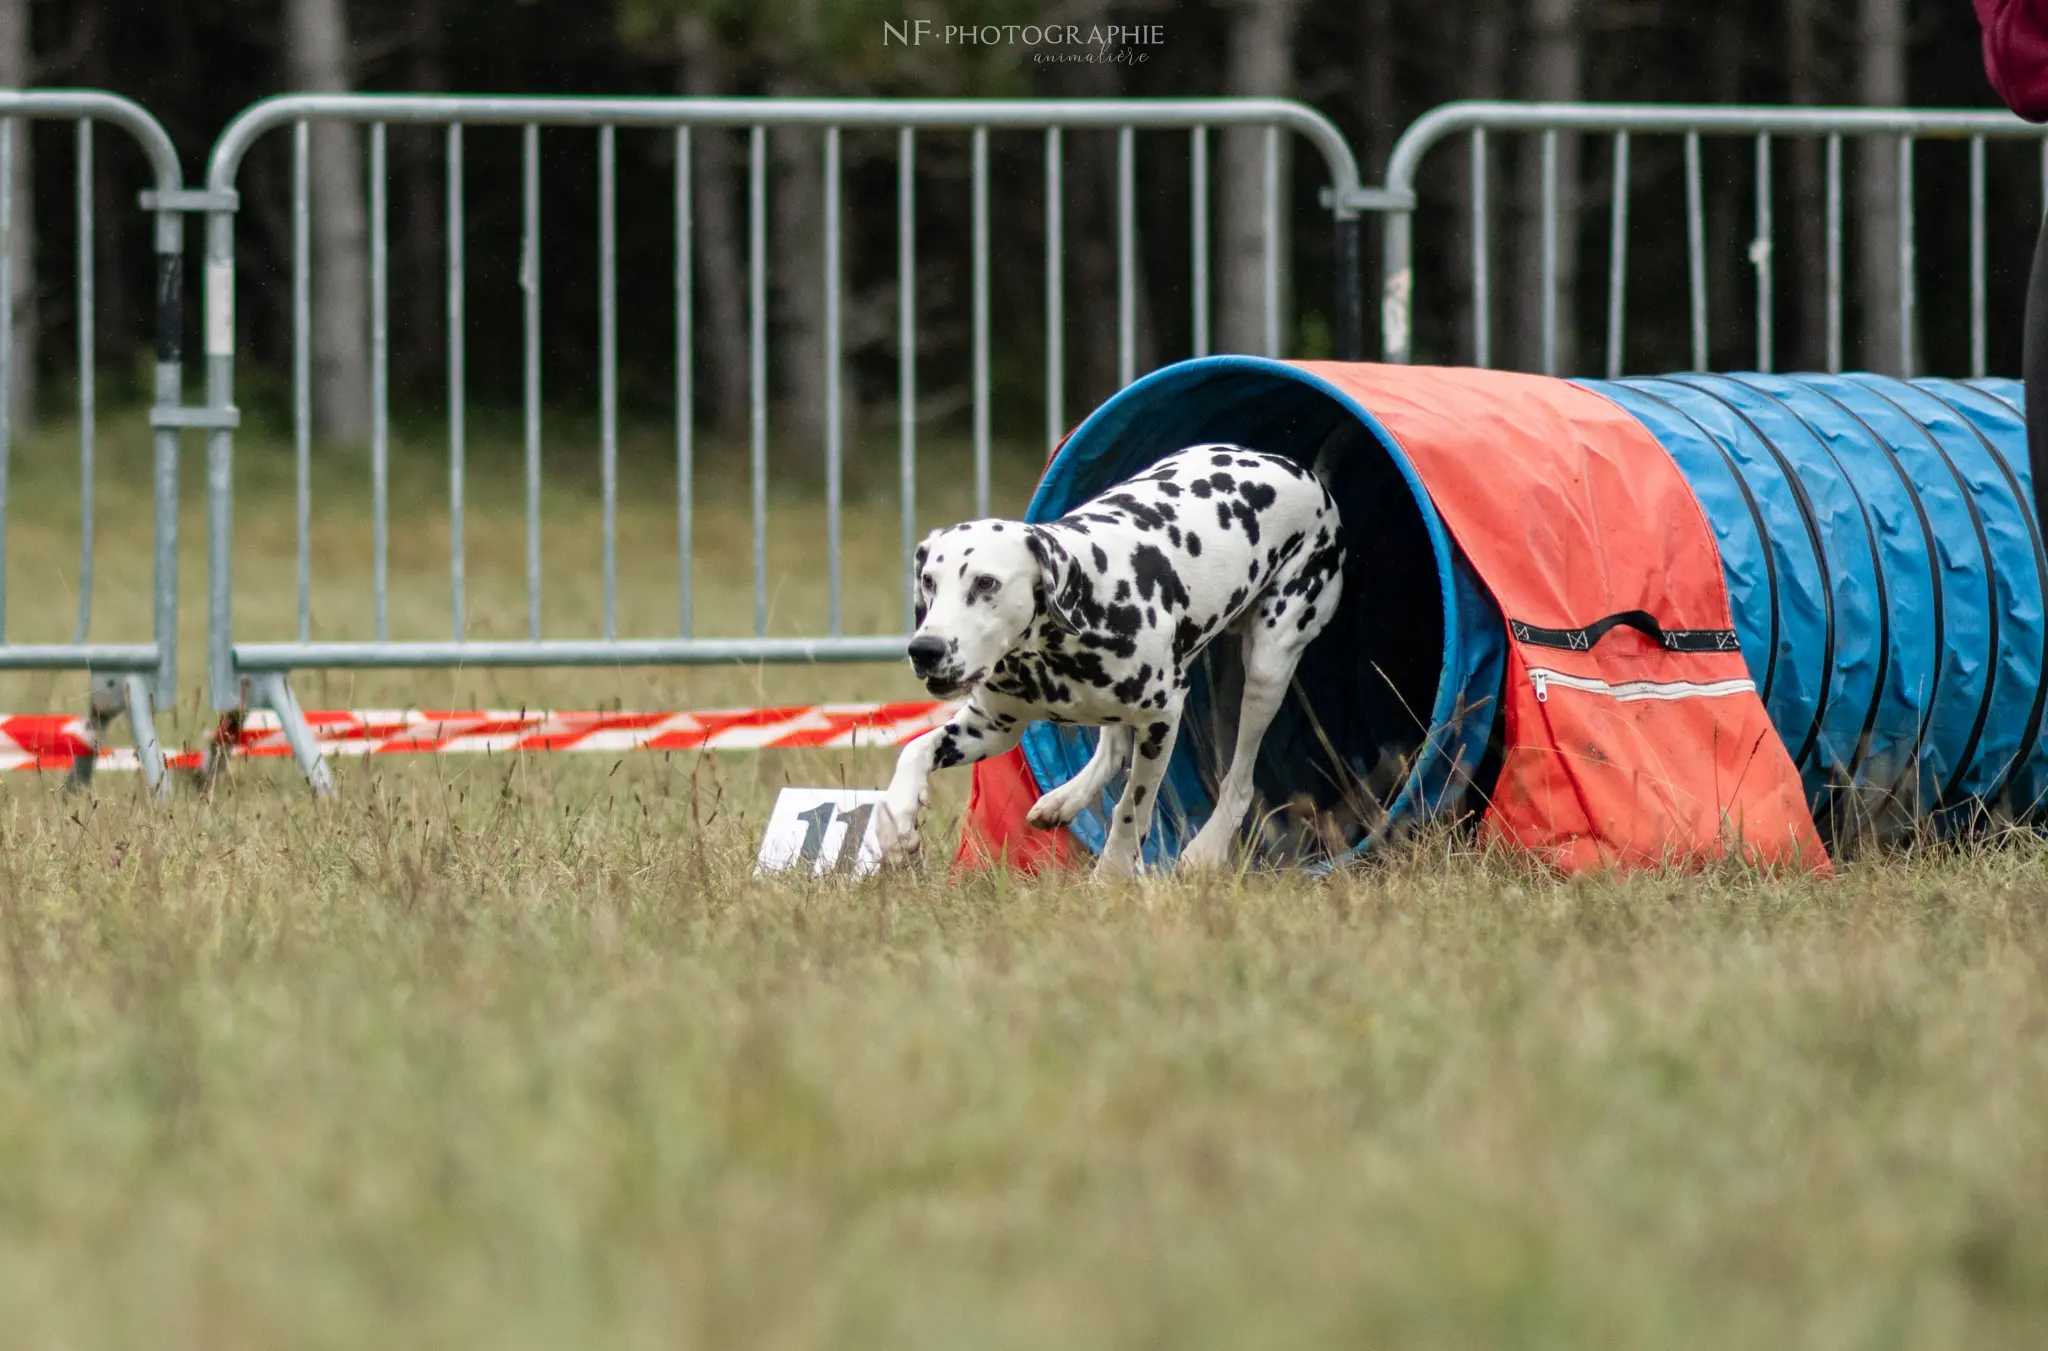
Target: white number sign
pixel 827 830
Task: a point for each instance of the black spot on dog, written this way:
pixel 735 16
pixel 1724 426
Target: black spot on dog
pixel 1154 572
pixel 1138 795
pixel 1155 740
pixel 1193 544
pixel 1200 488
pixel 1101 558
pixel 1128 690
pixel 946 753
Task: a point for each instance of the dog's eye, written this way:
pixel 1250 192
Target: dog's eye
pixel 985 585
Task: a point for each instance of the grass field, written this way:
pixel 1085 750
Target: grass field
pixel 501 1053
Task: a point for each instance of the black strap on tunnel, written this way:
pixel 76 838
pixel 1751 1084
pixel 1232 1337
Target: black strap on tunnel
pixel 1642 621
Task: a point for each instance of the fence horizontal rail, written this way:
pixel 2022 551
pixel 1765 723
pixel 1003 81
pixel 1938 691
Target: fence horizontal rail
pixel 1477 120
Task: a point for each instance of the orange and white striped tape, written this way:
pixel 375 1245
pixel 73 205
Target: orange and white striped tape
pixel 52 741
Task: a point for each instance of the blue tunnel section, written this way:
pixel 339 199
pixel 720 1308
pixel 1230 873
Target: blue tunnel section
pixel 1884 567
pixel 1886 575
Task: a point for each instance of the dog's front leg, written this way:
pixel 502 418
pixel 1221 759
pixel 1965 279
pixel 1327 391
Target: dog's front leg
pixel 971 734
pixel 1059 806
pixel 1133 819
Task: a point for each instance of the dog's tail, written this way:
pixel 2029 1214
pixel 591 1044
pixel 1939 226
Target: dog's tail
pixel 1343 440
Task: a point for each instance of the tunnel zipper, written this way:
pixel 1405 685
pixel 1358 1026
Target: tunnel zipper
pixel 1541 678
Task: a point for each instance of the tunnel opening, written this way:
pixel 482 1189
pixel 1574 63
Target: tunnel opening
pixel 1388 722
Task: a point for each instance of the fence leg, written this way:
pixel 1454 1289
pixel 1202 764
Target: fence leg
pixel 149 751
pixel 112 696
pixel 272 691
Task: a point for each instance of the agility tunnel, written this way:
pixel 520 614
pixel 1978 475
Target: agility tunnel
pixel 1878 557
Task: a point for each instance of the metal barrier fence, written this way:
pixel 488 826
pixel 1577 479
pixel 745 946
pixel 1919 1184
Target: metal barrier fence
pixel 1477 120
pixel 248 674
pixel 128 676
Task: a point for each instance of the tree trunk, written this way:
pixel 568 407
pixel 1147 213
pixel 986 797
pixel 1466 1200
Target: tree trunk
pixel 1553 74
pixel 426 291
pixel 16 72
pixel 1880 83
pixel 796 241
pixel 1807 204
pixel 1731 273
pixel 316 48
pixel 1260 61
pixel 719 270
pixel 1089 223
pixel 1488 62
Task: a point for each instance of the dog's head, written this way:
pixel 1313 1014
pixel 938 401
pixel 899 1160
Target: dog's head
pixel 980 588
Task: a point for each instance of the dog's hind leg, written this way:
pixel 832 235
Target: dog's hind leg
pixel 1062 804
pixel 1270 654
pixel 1132 818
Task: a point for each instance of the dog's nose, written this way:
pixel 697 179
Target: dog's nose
pixel 926 649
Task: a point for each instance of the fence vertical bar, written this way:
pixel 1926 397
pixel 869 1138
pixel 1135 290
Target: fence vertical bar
pixel 981 431
pixel 380 381
pixel 608 366
pixel 1270 188
pixel 87 345
pixel 834 426
pixel 1979 358
pixel 458 431
pixel 169 394
pixel 302 371
pixel 220 451
pixel 1198 235
pixel 1482 269
pixel 1549 253
pixel 1908 254
pixel 1126 258
pixel 686 374
pixel 1055 294
pixel 6 345
pixel 906 362
pixel 529 279
pixel 1834 247
pixel 757 362
pixel 1617 257
pixel 1696 250
pixel 1763 254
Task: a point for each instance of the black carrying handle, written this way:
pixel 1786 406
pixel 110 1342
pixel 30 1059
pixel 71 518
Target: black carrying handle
pixel 1642 621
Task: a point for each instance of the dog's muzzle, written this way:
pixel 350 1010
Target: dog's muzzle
pixel 926 652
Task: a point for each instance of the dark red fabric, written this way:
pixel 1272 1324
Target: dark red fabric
pixel 2016 53
pixel 995 834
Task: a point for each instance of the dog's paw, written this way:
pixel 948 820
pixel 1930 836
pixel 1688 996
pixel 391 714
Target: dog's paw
pixel 896 833
pixel 1051 811
pixel 1205 853
pixel 1116 860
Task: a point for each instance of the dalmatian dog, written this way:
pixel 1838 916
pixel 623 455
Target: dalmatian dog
pixel 1096 620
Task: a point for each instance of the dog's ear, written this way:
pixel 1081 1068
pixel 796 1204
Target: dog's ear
pixel 924 553
pixel 1061 587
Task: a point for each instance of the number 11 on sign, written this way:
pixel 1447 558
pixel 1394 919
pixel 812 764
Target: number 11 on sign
pixel 822 830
